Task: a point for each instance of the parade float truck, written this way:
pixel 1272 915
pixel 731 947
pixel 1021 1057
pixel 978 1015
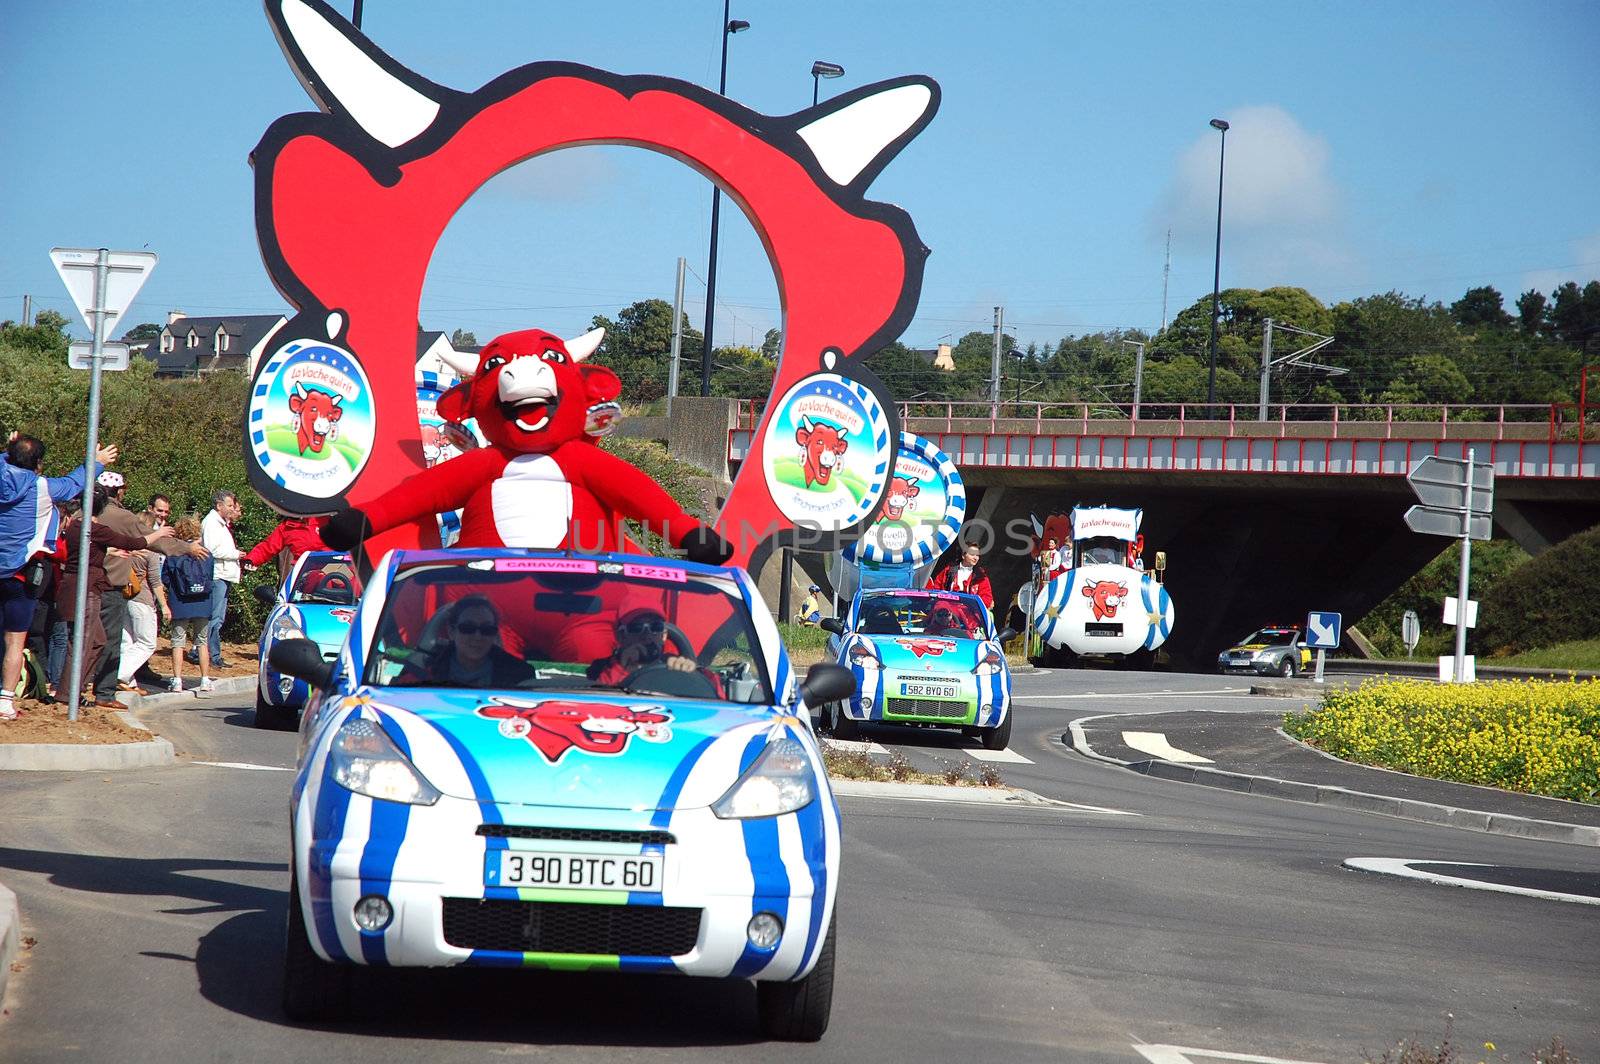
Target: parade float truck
pixel 1097 598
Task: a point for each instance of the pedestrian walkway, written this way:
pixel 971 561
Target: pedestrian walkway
pixel 1248 752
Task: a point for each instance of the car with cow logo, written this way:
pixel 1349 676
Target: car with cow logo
pixel 921 657
pixel 543 759
pixel 1278 650
pixel 315 601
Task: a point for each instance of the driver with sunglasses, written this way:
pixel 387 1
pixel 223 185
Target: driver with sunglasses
pixel 641 642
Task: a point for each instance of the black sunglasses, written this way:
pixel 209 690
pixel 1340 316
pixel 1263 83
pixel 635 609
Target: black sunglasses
pixel 487 628
pixel 655 627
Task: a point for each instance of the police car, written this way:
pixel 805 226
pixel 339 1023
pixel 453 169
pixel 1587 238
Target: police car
pixel 1278 651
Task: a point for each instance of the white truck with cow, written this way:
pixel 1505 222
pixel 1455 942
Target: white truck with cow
pixel 1094 596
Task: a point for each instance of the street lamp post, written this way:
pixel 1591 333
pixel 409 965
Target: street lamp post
pixel 823 69
pixel 729 27
pixel 1216 272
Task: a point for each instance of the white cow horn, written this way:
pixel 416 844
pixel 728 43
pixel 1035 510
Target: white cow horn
pixel 464 365
pixel 300 389
pixel 584 346
pixel 343 72
pixel 862 135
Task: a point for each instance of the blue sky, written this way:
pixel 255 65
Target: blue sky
pixel 1425 147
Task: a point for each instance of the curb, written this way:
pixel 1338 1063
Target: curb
pixel 1343 797
pixel 936 792
pixel 104 757
pixel 10 937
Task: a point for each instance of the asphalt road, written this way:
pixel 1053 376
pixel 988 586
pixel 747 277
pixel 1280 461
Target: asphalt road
pixel 1172 914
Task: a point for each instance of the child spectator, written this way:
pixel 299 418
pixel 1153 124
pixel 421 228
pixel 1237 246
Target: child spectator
pixel 188 583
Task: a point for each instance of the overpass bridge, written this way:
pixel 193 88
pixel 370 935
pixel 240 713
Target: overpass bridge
pixel 1261 519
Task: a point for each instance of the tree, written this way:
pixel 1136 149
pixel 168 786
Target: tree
pixel 638 346
pixel 909 378
pixel 741 373
pixel 1575 316
pixel 1532 308
pixel 1481 308
pixel 464 340
pixel 1429 378
pixel 47 336
pixel 771 344
pixel 1377 335
pixel 146 333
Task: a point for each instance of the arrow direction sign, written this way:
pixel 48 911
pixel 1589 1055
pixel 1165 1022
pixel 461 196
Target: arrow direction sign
pixel 1442 482
pixel 1322 630
pixel 125 275
pixel 1435 521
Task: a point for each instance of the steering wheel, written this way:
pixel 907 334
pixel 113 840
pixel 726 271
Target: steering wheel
pixel 338 585
pixel 659 678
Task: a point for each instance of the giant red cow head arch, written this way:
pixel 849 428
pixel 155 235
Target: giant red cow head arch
pixel 351 202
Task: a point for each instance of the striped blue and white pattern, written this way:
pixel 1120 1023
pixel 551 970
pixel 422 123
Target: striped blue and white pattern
pixel 927 544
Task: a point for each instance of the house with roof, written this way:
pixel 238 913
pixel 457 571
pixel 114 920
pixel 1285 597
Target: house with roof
pixel 941 357
pixel 190 346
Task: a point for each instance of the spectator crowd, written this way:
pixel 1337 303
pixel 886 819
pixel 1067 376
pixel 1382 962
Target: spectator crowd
pixel 143 572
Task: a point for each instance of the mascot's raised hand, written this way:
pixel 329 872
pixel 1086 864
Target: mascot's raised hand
pixel 540 482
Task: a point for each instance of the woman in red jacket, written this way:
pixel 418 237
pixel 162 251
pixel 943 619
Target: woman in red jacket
pixel 966 576
pixel 293 537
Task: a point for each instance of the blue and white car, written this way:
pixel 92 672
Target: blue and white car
pixel 316 601
pixel 922 657
pixel 563 800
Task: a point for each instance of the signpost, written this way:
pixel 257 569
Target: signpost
pixel 1323 631
pixel 1411 630
pixel 102 284
pixel 1457 497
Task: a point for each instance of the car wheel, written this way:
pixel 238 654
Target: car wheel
pixel 276 718
pixel 842 726
pixel 1286 669
pixel 313 989
pixel 799 1011
pixel 998 738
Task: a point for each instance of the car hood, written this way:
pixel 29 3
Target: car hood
pixel 327 626
pixel 926 653
pixel 610 751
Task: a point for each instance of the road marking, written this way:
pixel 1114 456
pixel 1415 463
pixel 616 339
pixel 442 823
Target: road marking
pixel 241 764
pixel 851 746
pixel 1155 744
pixel 1008 756
pixel 1025 697
pixel 1396 867
pixel 1191 1055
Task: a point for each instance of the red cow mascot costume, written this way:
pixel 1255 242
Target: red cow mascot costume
pixel 540 482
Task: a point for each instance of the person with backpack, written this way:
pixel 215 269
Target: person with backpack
pixel 188 581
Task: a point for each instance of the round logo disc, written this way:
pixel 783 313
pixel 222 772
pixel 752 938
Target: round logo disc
pixel 311 418
pixel 827 452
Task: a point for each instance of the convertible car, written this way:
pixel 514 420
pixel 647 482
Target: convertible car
pixel 922 657
pixel 316 601
pixel 573 762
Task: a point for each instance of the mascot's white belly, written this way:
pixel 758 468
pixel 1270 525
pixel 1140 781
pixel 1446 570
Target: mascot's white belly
pixel 532 502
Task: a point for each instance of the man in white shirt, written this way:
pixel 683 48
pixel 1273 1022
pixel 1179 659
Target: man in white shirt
pixel 217 537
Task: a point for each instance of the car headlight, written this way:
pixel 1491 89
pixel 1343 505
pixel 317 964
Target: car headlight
pixel 365 760
pixel 780 781
pixel 285 628
pixel 863 655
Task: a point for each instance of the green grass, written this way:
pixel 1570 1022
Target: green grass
pixel 1582 656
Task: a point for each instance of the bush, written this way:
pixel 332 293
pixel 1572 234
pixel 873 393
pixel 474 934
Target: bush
pixel 1549 600
pixel 1425 593
pixel 1533 736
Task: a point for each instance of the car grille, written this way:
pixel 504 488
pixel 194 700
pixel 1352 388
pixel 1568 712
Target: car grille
pixel 632 838
pixel 561 927
pixel 926 707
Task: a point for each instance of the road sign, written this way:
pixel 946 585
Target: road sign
pixel 1450 602
pixel 1442 482
pixel 1435 521
pixel 125 275
pixel 1322 630
pixel 1469 669
pixel 1025 597
pixel 1411 630
pixel 80 355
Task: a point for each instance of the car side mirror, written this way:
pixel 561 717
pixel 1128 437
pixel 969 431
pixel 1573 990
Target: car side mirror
pixel 827 683
pixel 302 659
pixel 1161 561
pixel 832 624
pixel 267 596
pixel 1007 634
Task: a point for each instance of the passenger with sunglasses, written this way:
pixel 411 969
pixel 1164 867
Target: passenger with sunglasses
pixel 472 655
pixel 642 642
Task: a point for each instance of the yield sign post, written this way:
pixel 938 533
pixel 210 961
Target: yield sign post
pixel 102 284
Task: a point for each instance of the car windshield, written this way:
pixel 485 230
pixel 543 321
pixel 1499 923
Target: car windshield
pixel 327 581
pixel 569 624
pixel 957 616
pixel 1272 637
pixel 1102 550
